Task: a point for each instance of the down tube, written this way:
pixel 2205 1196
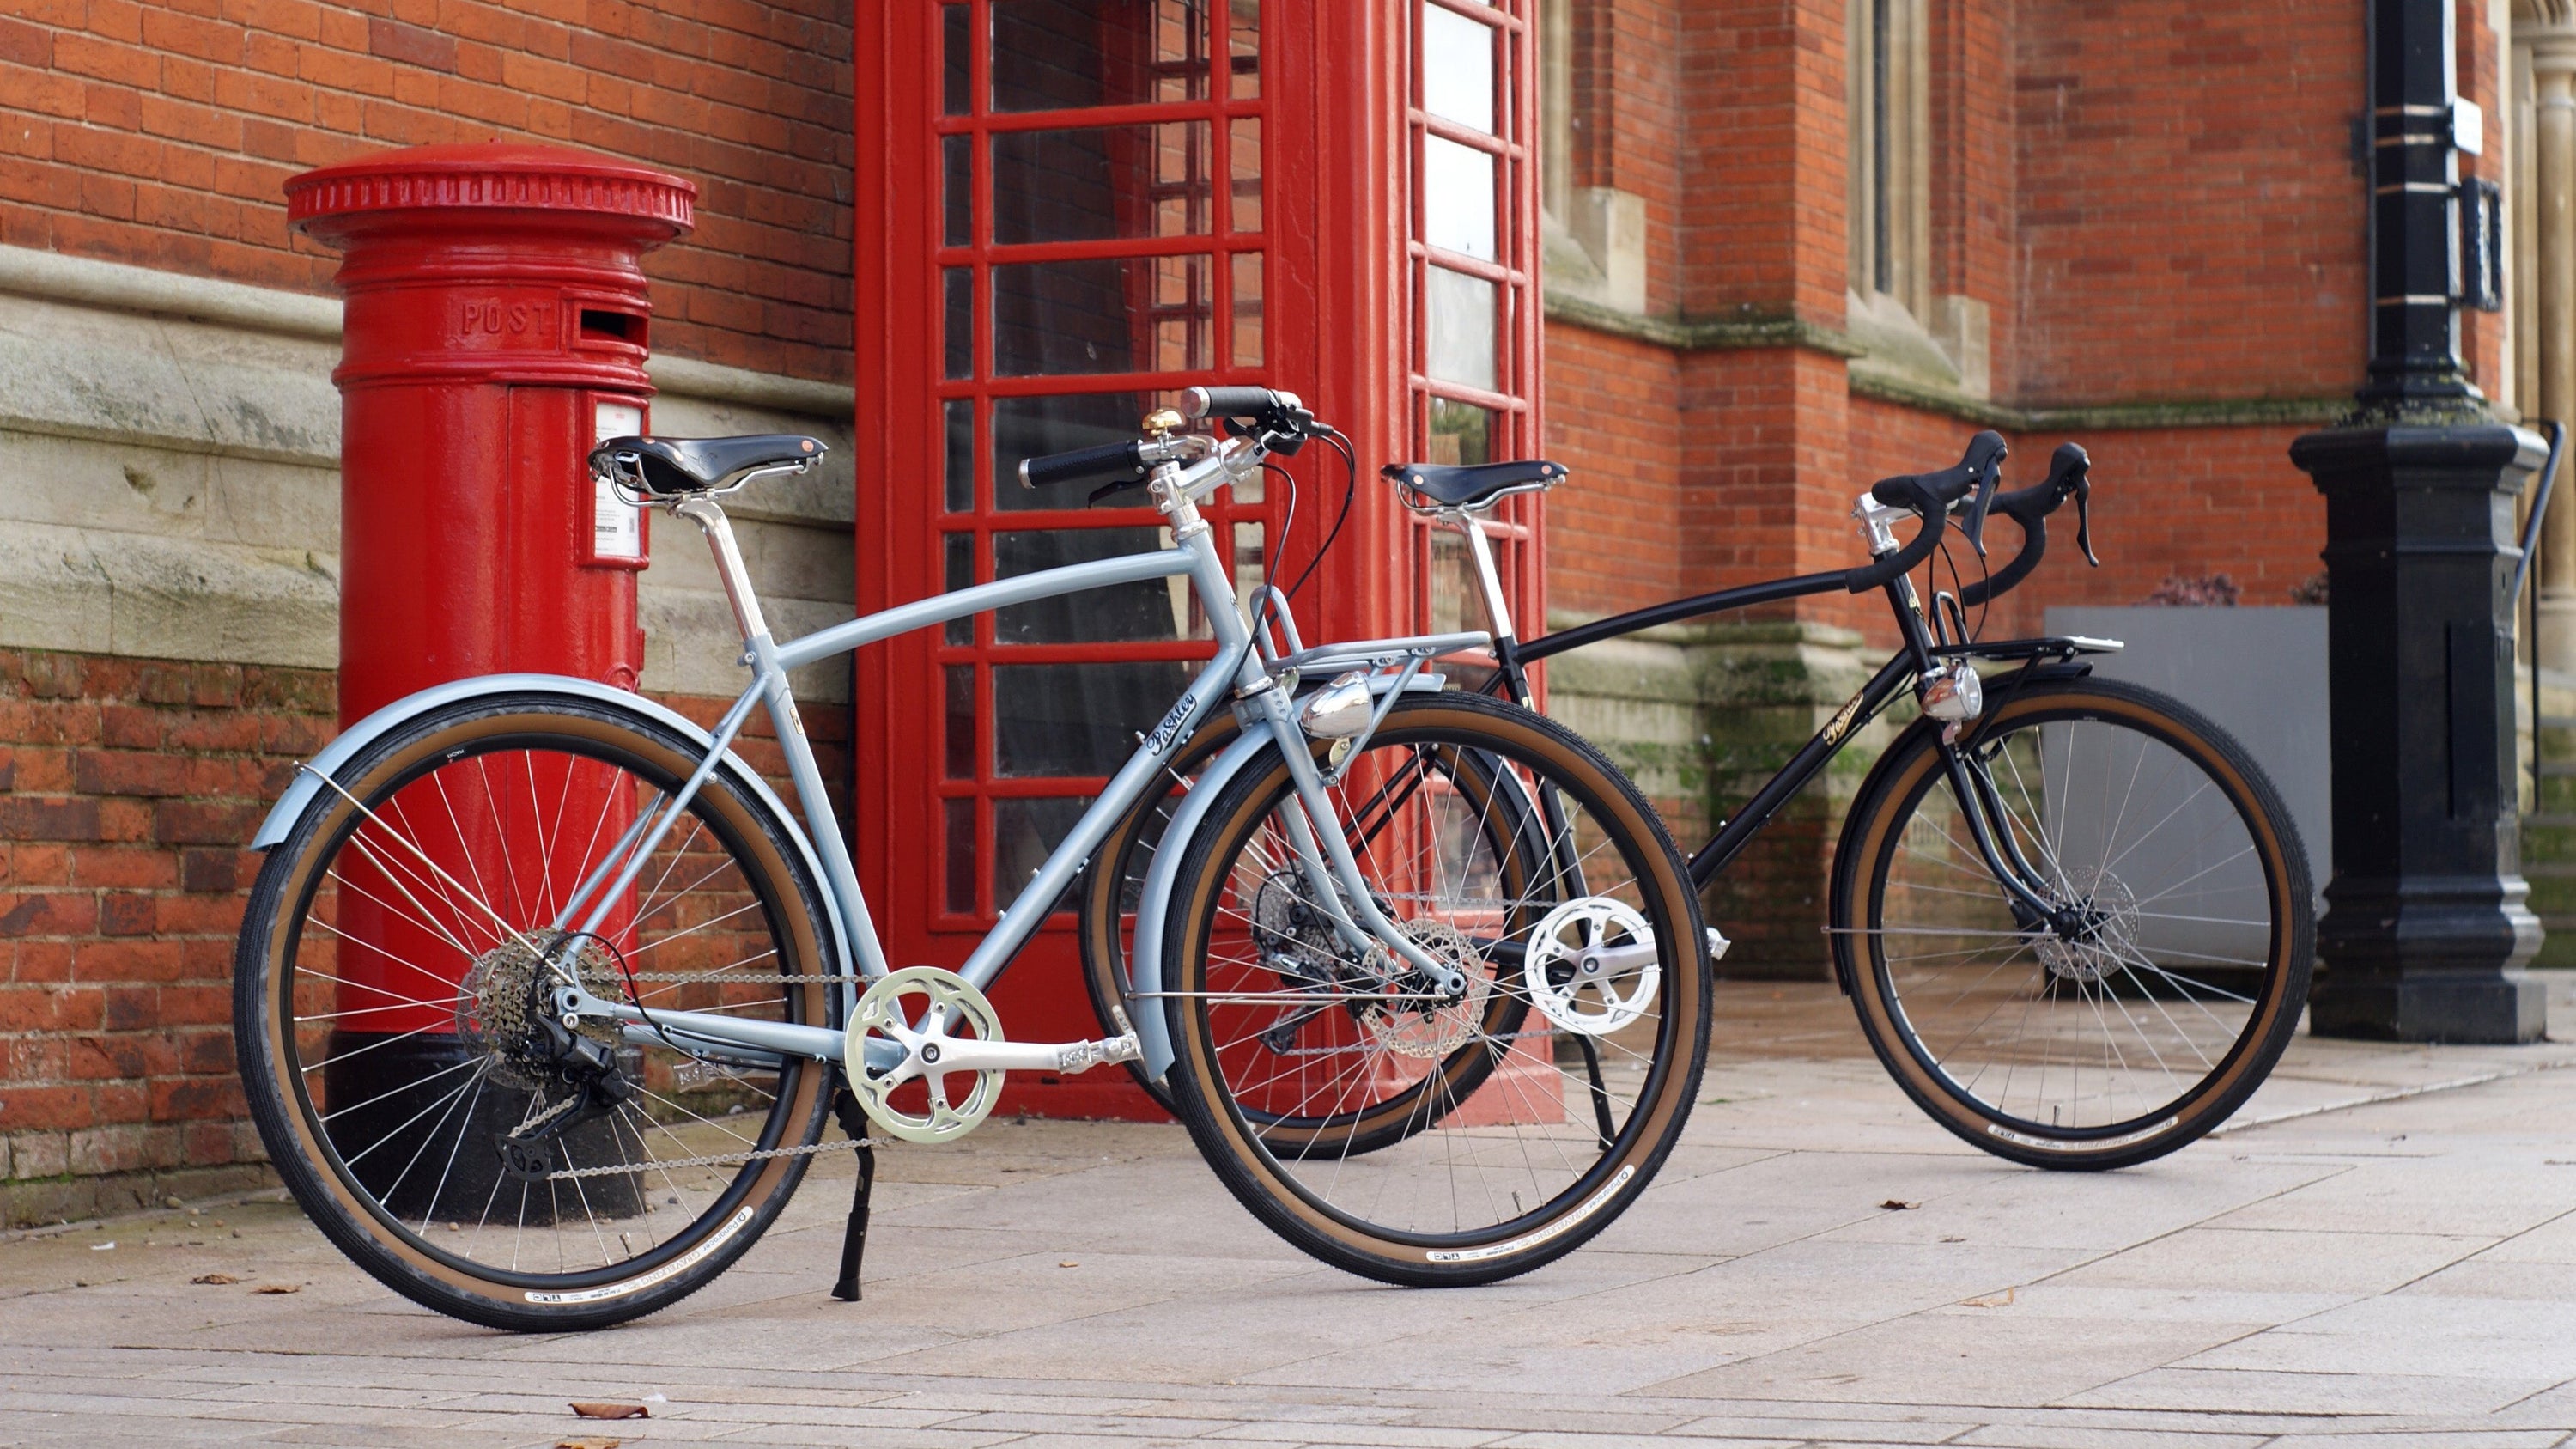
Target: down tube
pixel 1038 898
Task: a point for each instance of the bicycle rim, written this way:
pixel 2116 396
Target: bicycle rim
pixel 1398 1135
pixel 399 941
pixel 2163 983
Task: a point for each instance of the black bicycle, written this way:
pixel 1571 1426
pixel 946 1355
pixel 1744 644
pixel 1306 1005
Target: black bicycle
pixel 2073 915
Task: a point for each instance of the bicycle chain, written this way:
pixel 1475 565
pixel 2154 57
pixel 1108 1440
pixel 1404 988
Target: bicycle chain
pixel 747 978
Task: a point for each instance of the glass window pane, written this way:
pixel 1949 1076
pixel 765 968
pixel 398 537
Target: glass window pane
pixel 961 855
pixel 1457 68
pixel 959 730
pixel 1025 833
pixel 1461 433
pixel 1078 719
pixel 1106 314
pixel 1101 182
pixel 1051 54
pixel 957 571
pixel 1029 427
pixel 1458 198
pixel 958 487
pixel 1462 312
pixel 958 283
pixel 1245 162
pixel 1247 309
pixel 1244 48
pixel 957 190
pixel 1149 611
pixel 957 78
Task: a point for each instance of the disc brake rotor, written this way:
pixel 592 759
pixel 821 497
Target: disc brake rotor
pixel 919 1010
pixel 2108 945
pixel 1433 1029
pixel 1592 966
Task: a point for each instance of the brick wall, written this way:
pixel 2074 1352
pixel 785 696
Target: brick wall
pixel 127 788
pixel 159 134
pixel 2190 222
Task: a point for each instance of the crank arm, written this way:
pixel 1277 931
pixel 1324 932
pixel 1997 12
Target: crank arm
pixel 966 1054
pixel 1511 954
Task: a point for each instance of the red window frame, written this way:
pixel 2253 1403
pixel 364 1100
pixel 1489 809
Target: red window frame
pixel 1514 400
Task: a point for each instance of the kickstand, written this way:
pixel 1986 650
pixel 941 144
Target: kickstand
pixel 854 1124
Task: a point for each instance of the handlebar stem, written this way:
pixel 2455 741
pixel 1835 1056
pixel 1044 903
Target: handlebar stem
pixel 1878 523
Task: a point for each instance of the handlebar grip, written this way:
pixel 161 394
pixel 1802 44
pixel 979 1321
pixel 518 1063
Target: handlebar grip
pixel 1935 514
pixel 1230 402
pixel 1083 464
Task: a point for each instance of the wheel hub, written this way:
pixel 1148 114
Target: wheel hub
pixel 503 994
pixel 2099 938
pixel 1432 1028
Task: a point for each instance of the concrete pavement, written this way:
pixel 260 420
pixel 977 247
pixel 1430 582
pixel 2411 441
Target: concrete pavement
pixel 2380 1250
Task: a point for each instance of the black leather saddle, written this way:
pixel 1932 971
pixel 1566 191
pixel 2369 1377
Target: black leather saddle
pixel 1478 486
pixel 694 465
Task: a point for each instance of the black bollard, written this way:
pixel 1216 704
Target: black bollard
pixel 2426 931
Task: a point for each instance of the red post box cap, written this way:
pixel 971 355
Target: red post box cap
pixel 490 176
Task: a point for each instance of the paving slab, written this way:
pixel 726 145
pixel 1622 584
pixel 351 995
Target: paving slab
pixel 2379 1253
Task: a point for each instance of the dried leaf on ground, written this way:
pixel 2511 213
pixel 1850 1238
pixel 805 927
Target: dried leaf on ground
pixel 279 1288
pixel 1999 1300
pixel 612 1411
pixel 217 1279
pixel 1899 1205
pixel 588 1443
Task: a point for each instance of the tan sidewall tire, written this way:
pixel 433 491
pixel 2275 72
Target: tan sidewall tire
pixel 1248 1170
pixel 1098 927
pixel 1866 839
pixel 268 1067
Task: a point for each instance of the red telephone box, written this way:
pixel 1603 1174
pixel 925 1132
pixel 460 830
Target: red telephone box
pixel 1089 205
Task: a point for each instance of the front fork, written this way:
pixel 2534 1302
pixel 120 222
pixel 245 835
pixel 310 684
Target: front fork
pixel 1989 821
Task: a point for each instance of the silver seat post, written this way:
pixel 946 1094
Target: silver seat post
pixel 709 516
pixel 1497 608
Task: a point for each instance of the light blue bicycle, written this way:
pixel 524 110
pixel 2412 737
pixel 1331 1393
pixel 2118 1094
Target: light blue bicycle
pixel 544 1000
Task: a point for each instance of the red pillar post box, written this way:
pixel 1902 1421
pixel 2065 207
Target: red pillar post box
pixel 495 330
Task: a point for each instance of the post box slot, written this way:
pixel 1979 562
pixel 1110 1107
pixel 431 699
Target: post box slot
pixel 598 325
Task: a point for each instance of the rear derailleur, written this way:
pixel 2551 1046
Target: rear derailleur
pixel 586 1084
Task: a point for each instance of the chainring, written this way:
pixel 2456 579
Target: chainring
pixel 1585 970
pixel 920 1009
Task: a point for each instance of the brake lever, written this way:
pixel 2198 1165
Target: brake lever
pixel 1107 491
pixel 2084 519
pixel 1975 524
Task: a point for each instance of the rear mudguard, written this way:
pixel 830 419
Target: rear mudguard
pixel 300 795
